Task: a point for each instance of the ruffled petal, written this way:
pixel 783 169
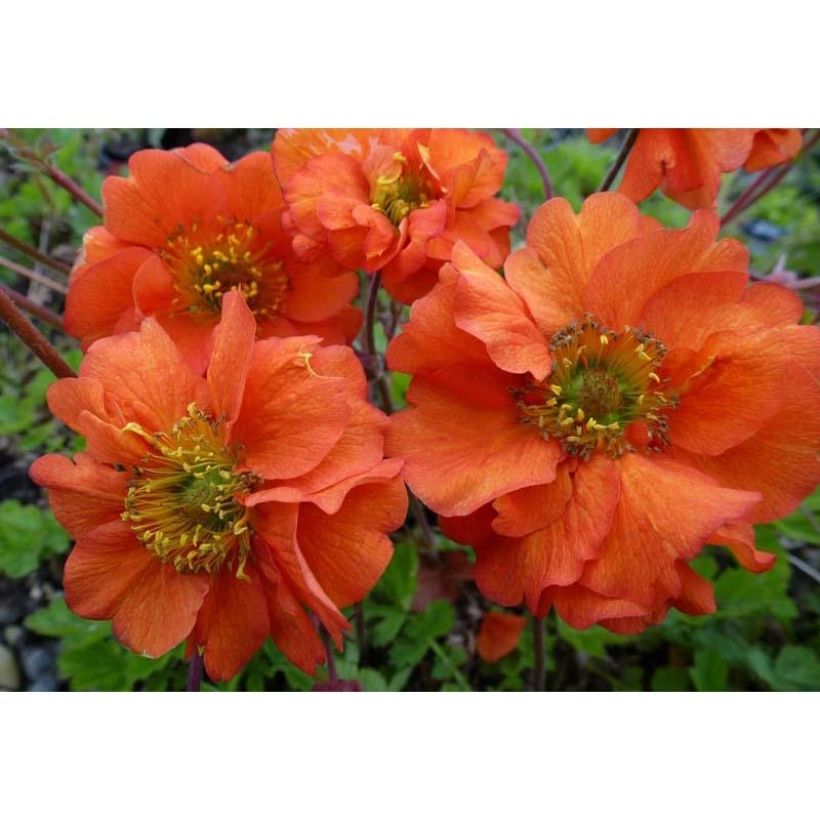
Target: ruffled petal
pixel 459 455
pixel 293 413
pixel 82 493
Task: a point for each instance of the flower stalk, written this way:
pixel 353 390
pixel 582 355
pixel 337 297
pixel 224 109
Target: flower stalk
pixel 33 253
pixel 34 308
pixel 515 135
pixel 626 147
pixel 33 338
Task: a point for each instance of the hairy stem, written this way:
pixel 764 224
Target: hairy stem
pixel 329 656
pixel 33 307
pixel 515 135
pixel 539 675
pixel 33 253
pixel 32 338
pixel 33 275
pixel 626 148
pixel 195 666
pixel 762 185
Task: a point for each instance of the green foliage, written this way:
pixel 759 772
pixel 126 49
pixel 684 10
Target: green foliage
pixel 28 535
pixel 91 660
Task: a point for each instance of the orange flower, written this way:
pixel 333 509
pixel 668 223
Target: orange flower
pixel 215 508
pixel 687 163
pixel 621 399
pixel 773 146
pixel 394 200
pixel 498 635
pixel 185 229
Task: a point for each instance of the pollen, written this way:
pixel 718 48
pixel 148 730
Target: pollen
pixel 607 381
pixel 400 192
pixel 183 501
pixel 207 264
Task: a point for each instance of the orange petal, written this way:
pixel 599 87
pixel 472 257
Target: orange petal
pixel 530 508
pixel 629 275
pixel 348 551
pixel 147 377
pixel 459 456
pixel 286 438
pixel 431 340
pixel 153 287
pixel 498 635
pixel 81 404
pixel 508 571
pixel 290 626
pixel 773 146
pixel 82 493
pixel 159 610
pixel 666 512
pixel 251 187
pixel 734 396
pixel 101 293
pixel 739 537
pixel 103 569
pixel 276 525
pixel 581 607
pixel 231 357
pixel 232 623
pixel 485 307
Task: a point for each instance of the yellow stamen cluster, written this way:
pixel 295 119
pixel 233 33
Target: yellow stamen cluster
pixel 233 259
pixel 398 193
pixel 182 501
pixel 601 382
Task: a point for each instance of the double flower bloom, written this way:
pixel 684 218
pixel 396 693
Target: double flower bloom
pixel 587 422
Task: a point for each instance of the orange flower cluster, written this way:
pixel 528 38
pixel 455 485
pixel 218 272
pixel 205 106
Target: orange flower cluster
pixel 215 507
pixel 185 229
pixel 394 201
pixel 622 398
pixel 587 422
pixel 687 163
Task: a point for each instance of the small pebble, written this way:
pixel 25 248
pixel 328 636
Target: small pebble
pixel 13 634
pixel 38 663
pixel 46 684
pixel 9 671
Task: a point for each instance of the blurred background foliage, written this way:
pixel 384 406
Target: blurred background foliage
pixel 422 618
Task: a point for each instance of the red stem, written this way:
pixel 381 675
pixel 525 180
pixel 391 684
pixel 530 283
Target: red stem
pixel 67 183
pixel 32 338
pixel 514 134
pixel 762 185
pixel 33 253
pixel 33 307
pixel 626 148
pixel 195 666
pixel 539 675
pixel 33 275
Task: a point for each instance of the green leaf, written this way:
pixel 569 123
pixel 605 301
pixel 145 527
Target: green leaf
pixel 741 593
pixel 670 679
pixel 797 668
pixel 398 584
pixel 421 630
pixel 710 672
pixel 27 536
pixel 592 641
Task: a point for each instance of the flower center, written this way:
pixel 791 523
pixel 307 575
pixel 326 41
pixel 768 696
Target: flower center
pixel 182 501
pixel 207 267
pixel 604 392
pixel 400 192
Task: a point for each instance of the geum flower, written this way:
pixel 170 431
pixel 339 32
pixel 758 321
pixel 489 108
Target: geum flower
pixel 216 508
pixel 395 200
pixel 183 230
pixel 687 163
pixel 622 398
